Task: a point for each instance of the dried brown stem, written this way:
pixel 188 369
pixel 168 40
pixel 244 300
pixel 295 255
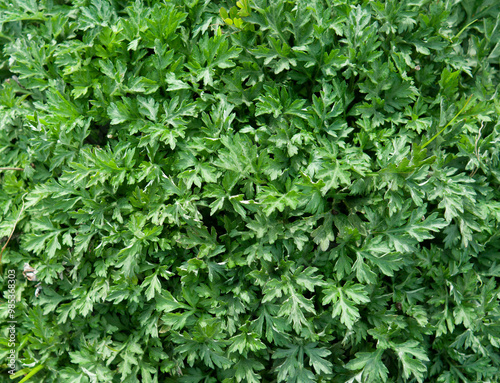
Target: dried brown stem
pixel 20 169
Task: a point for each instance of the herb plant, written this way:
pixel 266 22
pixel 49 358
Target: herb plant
pixel 260 191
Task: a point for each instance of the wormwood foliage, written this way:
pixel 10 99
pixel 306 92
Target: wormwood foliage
pixel 257 191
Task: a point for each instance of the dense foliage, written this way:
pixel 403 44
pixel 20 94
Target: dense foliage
pixel 266 191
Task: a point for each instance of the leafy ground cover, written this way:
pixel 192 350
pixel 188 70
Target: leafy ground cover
pixel 266 191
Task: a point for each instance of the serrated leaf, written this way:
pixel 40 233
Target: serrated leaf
pixel 371 365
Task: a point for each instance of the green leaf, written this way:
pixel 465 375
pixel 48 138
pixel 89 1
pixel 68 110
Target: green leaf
pixel 307 279
pixel 167 303
pixel 245 370
pixel 344 300
pixel 154 286
pixel 412 357
pixel 142 85
pixel 317 358
pixel 371 366
pixel 323 235
pixel 334 176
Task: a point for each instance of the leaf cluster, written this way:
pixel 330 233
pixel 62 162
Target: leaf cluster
pixel 266 191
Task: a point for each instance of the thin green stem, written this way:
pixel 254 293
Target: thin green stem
pixel 463 29
pixel 449 123
pixel 31 373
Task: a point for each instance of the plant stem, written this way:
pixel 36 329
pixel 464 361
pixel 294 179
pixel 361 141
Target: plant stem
pixel 20 169
pixel 31 373
pixel 449 123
